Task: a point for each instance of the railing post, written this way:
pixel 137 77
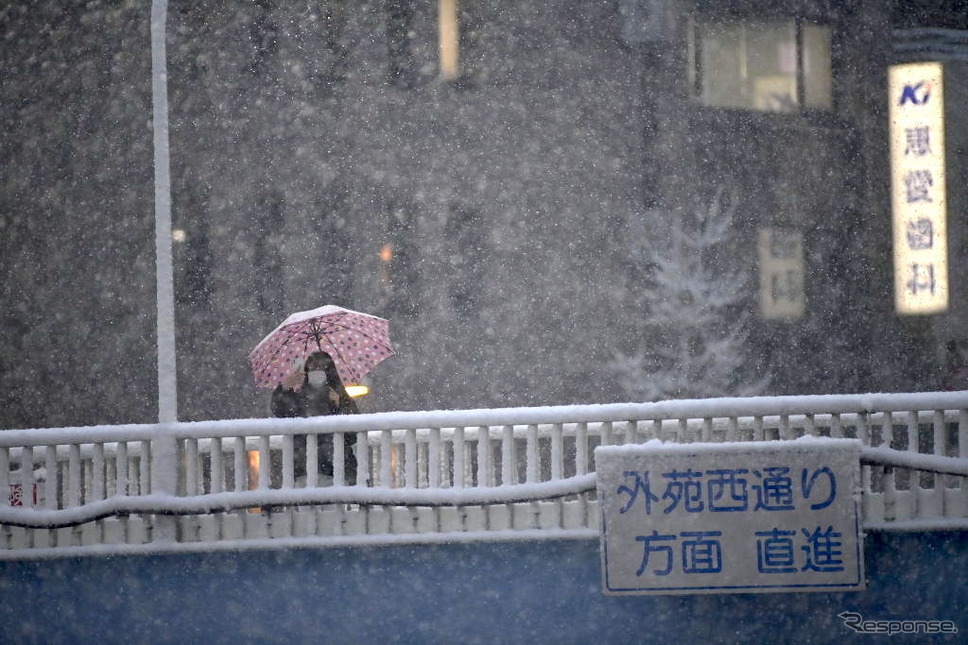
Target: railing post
pixel 311 458
pixel 581 449
pixel 410 458
pixel 914 477
pixel 144 483
pixel 164 480
pixel 121 485
pixel 484 456
pixel 339 456
pixel 533 464
pixel 458 457
pixel 192 481
pixel 53 475
pixel 265 461
pixel 217 469
pixel 5 477
pixel 362 457
pixel 27 475
pixel 433 459
pixel 809 425
pixel 386 459
pixel 508 463
pixel 938 442
pixel 241 464
pixel 74 475
pixel 557 451
pixel 784 430
pixel 98 474
pixel 836 429
pixel 887 441
pixel 288 476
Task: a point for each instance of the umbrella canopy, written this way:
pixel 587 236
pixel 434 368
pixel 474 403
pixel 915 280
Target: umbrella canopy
pixel 355 341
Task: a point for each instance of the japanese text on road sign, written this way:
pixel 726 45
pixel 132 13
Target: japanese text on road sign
pixel 715 518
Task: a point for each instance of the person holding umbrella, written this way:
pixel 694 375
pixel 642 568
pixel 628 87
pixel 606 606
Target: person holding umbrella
pixel 317 390
pixel 306 360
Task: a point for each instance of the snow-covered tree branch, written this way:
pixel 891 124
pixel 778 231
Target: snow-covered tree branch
pixel 694 325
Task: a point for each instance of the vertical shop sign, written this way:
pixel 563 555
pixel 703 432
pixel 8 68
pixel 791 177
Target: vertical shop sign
pixel 918 197
pixel 781 273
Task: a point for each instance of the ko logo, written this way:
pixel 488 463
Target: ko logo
pixel 916 94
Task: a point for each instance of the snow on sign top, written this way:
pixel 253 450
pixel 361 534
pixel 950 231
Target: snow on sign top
pixel 657 446
pixel 730 518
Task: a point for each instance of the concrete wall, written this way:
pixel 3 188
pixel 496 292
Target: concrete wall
pixel 517 592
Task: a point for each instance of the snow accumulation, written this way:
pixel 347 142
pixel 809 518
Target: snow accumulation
pixel 870 455
pixel 655 446
pixel 610 412
pixel 219 502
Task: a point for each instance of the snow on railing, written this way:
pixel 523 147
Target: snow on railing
pixel 425 476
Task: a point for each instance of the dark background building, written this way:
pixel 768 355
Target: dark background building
pixel 478 189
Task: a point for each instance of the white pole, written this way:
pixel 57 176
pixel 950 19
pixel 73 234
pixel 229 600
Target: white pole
pixel 167 386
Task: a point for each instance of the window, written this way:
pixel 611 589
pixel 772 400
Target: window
pixel 193 261
pixel 191 251
pixel 399 19
pixel 263 36
pixel 269 284
pixel 817 75
pixel 399 274
pixel 781 66
pixel 466 257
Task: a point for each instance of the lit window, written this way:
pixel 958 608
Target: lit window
pixel 449 39
pixel 769 66
pixel 459 51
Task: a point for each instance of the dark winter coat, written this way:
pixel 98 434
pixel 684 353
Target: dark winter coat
pixel 311 401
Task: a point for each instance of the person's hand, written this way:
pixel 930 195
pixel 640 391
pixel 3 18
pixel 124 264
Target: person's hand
pixel 333 397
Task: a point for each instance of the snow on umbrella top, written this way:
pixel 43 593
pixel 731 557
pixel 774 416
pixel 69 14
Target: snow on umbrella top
pixel 356 342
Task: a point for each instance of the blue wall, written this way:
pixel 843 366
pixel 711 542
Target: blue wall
pixel 519 592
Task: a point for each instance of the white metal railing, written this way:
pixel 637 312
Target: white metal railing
pixel 424 476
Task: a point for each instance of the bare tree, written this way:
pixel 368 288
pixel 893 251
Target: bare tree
pixel 694 331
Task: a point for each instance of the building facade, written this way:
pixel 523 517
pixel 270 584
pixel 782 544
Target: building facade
pixel 476 173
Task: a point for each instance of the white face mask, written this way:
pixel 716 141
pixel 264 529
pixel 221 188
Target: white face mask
pixel 317 379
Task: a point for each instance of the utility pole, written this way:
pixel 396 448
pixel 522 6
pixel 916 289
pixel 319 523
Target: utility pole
pixel 167 385
pixel 164 452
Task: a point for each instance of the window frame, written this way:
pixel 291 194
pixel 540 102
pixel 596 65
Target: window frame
pixel 800 24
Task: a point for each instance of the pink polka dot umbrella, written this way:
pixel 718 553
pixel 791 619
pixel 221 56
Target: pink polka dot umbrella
pixel 356 342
